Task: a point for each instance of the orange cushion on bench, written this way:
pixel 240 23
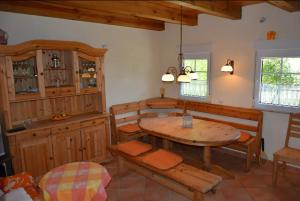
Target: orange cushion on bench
pixel 134 148
pixel 130 128
pixel 244 137
pixel 162 159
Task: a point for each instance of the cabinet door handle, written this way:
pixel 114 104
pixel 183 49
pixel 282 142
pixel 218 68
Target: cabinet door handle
pixel 94 122
pixel 67 128
pixel 34 134
pixel 51 158
pixel 41 74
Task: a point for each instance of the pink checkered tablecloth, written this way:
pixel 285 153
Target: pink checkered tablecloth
pixel 79 181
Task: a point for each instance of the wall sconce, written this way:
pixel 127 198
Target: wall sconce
pixel 228 67
pixel 185 75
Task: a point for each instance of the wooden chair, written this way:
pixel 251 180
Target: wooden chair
pixel 288 154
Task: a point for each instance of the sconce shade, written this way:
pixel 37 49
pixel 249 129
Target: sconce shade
pixel 193 75
pixel 227 68
pixel 168 77
pixel 183 77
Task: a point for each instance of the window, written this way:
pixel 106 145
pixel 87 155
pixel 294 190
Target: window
pixel 278 80
pixel 197 89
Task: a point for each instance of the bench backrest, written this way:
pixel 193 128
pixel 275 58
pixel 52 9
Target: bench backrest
pixel 122 114
pixel 253 115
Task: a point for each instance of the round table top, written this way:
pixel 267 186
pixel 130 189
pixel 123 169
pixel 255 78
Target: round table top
pixel 83 181
pixel 203 133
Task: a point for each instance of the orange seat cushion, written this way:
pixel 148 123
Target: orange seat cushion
pixel 134 148
pixel 244 137
pixel 130 128
pixel 162 159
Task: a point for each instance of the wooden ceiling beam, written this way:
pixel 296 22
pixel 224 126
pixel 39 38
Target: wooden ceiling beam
pixel 287 5
pixel 41 8
pixel 145 9
pixel 210 8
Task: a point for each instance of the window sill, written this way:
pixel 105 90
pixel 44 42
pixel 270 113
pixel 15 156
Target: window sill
pixel 277 109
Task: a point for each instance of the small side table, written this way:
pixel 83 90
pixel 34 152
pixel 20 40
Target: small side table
pixel 79 181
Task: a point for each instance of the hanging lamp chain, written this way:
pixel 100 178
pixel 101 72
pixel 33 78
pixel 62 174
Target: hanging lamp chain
pixel 180 56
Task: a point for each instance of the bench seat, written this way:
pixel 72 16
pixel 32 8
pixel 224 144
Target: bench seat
pixel 183 178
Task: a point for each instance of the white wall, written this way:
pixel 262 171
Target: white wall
pixel 235 39
pixel 131 64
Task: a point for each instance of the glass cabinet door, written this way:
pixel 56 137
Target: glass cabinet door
pixel 25 76
pixel 58 68
pixel 88 74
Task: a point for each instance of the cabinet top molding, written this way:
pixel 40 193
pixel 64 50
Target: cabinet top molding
pixel 11 50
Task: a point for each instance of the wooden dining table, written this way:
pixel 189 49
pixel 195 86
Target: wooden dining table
pixel 203 133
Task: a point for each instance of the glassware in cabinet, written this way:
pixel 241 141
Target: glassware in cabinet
pixel 58 68
pixel 25 76
pixel 88 74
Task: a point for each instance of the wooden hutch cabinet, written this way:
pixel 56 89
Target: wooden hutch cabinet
pixel 55 88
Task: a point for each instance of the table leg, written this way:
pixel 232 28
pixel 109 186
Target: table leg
pixel 167 144
pixel 207 158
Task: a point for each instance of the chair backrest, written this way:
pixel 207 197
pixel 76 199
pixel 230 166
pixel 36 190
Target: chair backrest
pixel 293 127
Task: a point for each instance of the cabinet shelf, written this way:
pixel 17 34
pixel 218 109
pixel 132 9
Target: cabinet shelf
pixel 25 76
pixel 88 73
pixel 50 69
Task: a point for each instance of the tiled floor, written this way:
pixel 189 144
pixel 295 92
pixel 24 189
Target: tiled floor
pixel 252 186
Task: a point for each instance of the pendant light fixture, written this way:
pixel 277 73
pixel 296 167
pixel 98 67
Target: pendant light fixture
pixel 186 73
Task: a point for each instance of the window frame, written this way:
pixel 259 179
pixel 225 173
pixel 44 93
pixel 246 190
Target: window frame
pixel 199 55
pixel 260 54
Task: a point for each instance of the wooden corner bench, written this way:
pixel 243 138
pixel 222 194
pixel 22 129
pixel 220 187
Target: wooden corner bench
pixel 245 119
pixel 184 179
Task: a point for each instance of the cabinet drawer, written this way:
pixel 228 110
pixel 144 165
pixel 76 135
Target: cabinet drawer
pixel 59 91
pixel 52 92
pixel 65 128
pixel 33 134
pixel 89 90
pixel 67 91
pixel 92 122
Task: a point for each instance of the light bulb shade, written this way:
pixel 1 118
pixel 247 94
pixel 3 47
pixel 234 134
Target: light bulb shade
pixel 193 75
pixel 183 78
pixel 227 68
pixel 168 77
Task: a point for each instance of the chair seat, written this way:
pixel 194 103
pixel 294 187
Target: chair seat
pixel 288 154
pixel 134 148
pixel 130 128
pixel 162 159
